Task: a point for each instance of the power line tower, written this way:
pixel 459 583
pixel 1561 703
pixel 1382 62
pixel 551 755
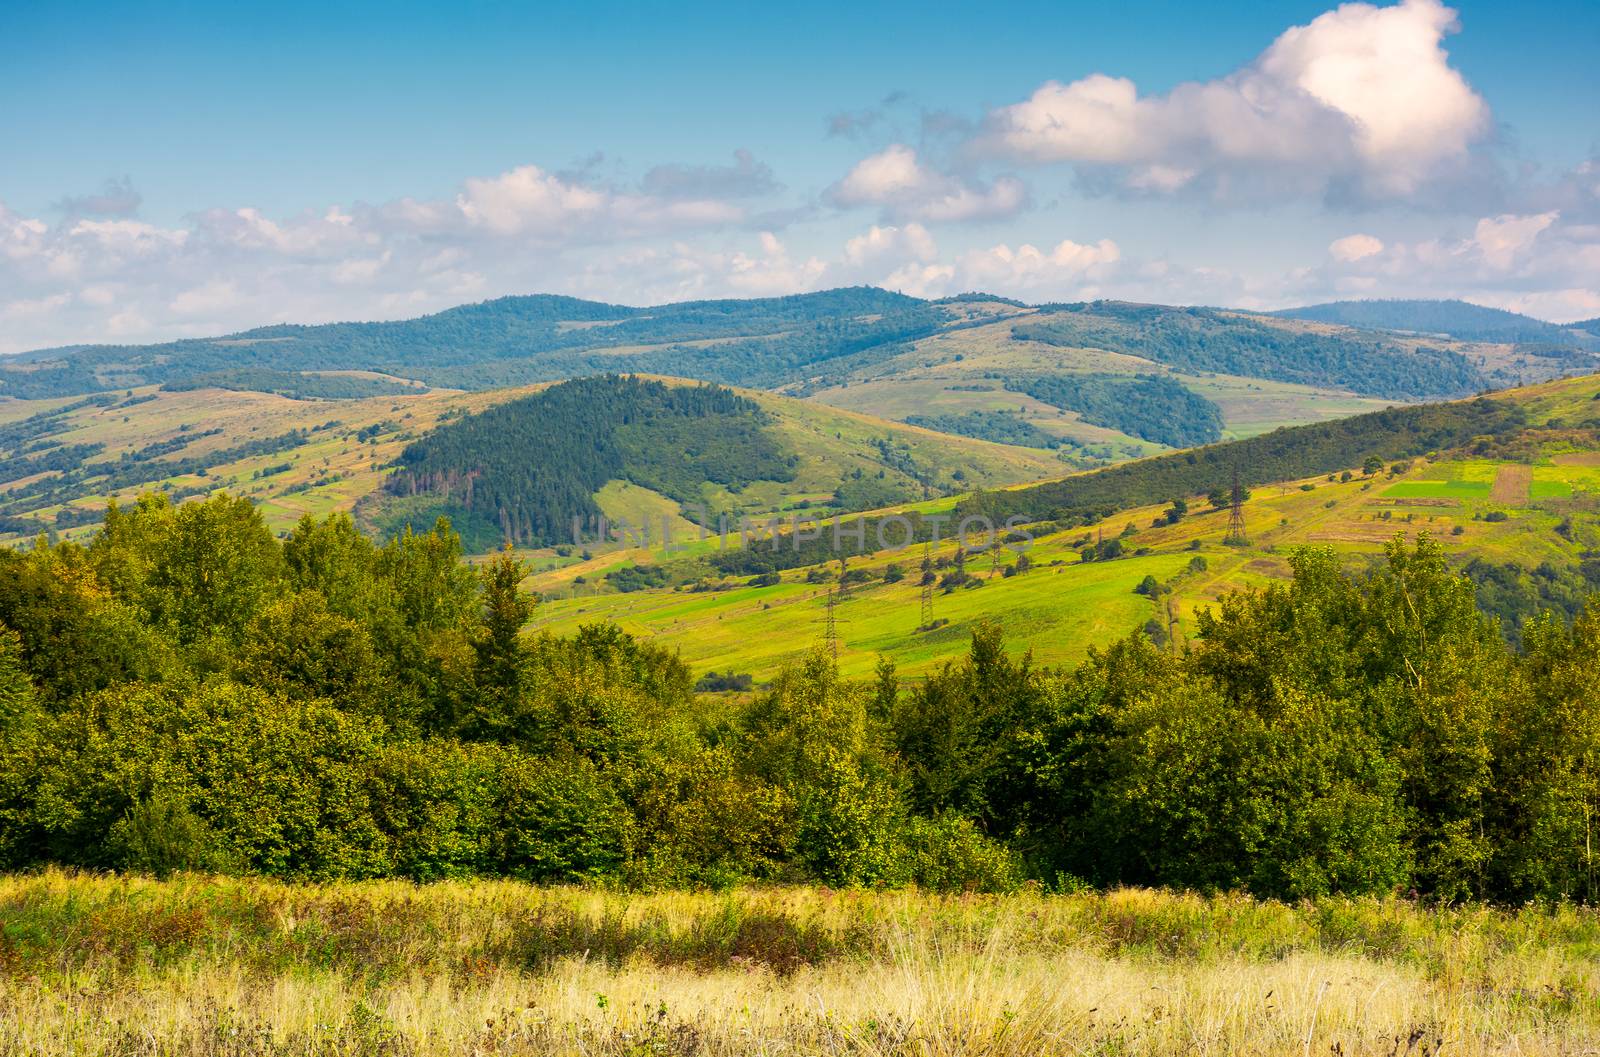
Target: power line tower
pixel 927 585
pixel 1236 536
pixel 831 621
pixel 831 634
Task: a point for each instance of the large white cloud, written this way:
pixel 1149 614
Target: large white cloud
pixel 1361 101
pixel 896 181
pixel 527 201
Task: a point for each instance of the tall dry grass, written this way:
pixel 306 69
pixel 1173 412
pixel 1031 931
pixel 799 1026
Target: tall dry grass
pixel 92 965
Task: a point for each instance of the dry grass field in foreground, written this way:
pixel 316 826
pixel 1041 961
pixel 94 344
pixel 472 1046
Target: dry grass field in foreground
pixel 93 965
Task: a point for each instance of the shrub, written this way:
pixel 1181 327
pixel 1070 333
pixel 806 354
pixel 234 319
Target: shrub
pixel 949 854
pixel 560 820
pixel 160 836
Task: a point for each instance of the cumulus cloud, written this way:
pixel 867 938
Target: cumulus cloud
pixel 896 181
pixel 1070 266
pixel 1361 101
pixel 528 202
pixel 876 244
pixel 1501 240
pixel 1355 247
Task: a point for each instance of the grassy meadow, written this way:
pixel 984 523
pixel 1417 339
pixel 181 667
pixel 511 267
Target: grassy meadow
pixel 104 965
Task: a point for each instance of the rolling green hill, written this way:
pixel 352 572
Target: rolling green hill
pixel 1204 339
pixel 1259 371
pixel 1510 484
pixel 61 459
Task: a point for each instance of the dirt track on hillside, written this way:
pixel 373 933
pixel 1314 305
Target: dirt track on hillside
pixel 1511 485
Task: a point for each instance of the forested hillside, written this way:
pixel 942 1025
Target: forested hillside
pixel 529 468
pixel 1285 454
pixel 1002 427
pixel 1205 339
pixel 1150 406
pixel 296 385
pixel 1084 498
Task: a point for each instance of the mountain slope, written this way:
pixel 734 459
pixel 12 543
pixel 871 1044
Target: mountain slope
pixel 517 340
pixel 1259 371
pixel 1457 319
pixel 1204 339
pixel 530 469
pixel 1514 508
pixel 61 459
pixel 812 340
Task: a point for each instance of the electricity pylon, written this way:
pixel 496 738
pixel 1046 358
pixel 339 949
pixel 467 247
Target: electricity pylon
pixel 1236 536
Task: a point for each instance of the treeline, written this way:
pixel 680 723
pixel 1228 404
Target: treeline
pixel 1338 733
pixel 296 385
pixel 190 692
pixel 529 467
pixel 1206 339
pixel 1152 407
pixel 1282 455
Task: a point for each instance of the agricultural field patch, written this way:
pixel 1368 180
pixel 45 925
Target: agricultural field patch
pixel 1438 490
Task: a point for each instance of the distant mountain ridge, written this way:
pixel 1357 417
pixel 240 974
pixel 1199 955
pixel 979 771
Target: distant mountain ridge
pixel 1458 319
pixel 512 340
pixel 816 339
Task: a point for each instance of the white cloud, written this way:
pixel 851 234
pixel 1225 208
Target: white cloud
pixel 360 270
pixel 1561 306
pixel 1501 240
pixel 921 280
pixel 1362 99
pixel 895 180
pixel 1534 262
pixel 879 178
pixel 1355 247
pixel 527 201
pixel 899 243
pixel 1028 268
pixel 127 236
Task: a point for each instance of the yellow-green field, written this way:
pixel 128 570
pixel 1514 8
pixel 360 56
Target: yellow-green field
pixel 1062 607
pixel 194 967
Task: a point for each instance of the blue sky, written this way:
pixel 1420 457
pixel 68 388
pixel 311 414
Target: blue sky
pixel 189 168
